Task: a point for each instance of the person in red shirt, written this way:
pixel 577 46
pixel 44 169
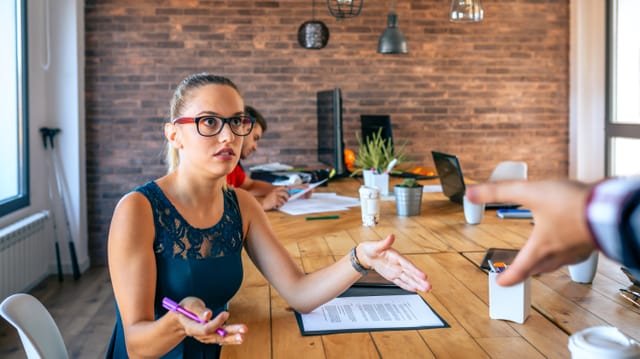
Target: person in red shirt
pixel 270 196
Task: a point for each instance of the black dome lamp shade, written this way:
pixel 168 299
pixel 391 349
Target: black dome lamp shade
pixel 313 34
pixel 392 40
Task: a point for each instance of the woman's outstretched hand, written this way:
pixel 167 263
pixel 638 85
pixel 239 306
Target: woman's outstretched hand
pixel 392 265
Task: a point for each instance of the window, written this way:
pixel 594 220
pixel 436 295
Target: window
pixel 622 129
pixel 14 182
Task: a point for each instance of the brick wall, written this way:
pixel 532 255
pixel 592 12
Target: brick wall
pixel 487 92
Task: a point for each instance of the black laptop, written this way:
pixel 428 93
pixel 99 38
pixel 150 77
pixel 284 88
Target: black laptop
pixel 452 181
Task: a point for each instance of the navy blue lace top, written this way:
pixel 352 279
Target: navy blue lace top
pixel 205 263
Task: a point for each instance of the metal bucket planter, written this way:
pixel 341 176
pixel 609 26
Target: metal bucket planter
pixel 408 200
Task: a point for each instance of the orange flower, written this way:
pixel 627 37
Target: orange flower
pixel 349 158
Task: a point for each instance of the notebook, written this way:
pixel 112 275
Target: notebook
pixel 452 181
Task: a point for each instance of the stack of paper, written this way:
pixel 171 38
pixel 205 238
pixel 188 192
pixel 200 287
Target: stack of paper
pixel 275 166
pixel 319 202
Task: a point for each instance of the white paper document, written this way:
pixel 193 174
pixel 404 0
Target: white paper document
pixel 309 188
pixel 318 203
pixel 360 313
pixel 269 167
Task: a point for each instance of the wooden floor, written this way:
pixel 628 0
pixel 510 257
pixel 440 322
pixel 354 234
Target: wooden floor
pixel 84 311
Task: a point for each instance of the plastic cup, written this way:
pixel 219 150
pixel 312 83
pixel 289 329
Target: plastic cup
pixel 370 205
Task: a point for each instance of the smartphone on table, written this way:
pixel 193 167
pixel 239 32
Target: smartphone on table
pixel 495 255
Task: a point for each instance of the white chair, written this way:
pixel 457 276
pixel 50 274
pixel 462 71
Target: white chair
pixel 509 170
pixel 38 331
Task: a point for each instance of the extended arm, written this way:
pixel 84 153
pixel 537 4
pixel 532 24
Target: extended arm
pixel 567 216
pixel 306 292
pixel 269 196
pixel 613 212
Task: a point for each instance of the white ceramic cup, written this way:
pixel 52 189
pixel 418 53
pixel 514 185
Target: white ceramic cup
pixel 370 205
pixel 473 212
pixel 585 271
pixel 603 342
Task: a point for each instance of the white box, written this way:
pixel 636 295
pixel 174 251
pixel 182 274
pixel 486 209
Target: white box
pixel 509 303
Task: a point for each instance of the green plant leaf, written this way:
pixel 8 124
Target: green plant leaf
pixel 376 153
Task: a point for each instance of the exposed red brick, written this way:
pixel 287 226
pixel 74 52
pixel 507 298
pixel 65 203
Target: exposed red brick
pixel 492 91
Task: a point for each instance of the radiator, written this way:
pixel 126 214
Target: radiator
pixel 25 253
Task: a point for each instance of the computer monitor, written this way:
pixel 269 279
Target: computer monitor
pixel 330 141
pixel 371 124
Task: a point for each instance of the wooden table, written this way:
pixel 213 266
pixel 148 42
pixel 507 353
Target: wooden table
pixel 449 251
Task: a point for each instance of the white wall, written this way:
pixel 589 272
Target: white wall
pixel 587 90
pixel 56 99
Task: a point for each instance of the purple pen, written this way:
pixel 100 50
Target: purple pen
pixel 175 307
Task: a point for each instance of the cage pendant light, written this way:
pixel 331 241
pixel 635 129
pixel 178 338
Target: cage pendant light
pixel 343 9
pixel 313 34
pixel 466 11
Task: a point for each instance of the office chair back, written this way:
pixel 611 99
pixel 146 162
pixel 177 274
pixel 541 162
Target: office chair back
pixel 38 332
pixel 509 170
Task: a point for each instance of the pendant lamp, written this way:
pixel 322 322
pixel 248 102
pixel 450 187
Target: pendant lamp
pixel 466 11
pixel 342 9
pixel 313 34
pixel 392 40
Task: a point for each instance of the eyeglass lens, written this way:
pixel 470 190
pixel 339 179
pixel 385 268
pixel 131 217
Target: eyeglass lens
pixel 212 125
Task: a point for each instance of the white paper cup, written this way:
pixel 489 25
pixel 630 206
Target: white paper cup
pixel 603 342
pixel 585 271
pixel 370 205
pixel 473 212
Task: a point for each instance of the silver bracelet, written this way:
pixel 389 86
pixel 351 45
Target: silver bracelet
pixel 355 263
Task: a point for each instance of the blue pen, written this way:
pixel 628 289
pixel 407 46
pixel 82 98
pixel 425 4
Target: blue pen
pixel 294 191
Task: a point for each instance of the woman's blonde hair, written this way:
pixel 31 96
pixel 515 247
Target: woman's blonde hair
pixel 180 98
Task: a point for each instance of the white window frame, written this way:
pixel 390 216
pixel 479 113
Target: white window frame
pixel 20 197
pixel 621 124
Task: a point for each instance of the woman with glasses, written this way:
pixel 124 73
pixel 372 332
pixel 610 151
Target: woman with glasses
pixel 270 196
pixel 181 236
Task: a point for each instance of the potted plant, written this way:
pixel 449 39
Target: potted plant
pixel 374 159
pixel 408 197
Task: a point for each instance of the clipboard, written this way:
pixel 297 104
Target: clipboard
pixel 432 321
pixel 373 279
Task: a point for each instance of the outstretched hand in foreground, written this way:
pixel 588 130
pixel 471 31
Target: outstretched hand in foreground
pixel 560 235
